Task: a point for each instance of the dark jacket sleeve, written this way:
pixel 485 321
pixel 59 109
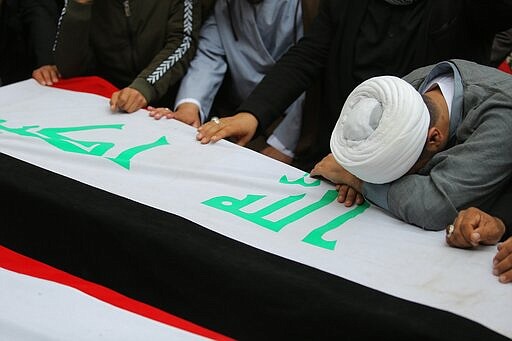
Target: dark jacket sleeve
pixel 170 64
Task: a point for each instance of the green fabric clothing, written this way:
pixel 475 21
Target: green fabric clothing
pixel 146 45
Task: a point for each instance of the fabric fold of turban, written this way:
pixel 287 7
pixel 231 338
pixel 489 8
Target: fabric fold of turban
pixel 381 131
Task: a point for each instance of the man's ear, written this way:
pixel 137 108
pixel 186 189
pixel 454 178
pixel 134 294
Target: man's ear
pixel 435 140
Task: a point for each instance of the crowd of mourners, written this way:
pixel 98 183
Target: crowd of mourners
pixel 406 104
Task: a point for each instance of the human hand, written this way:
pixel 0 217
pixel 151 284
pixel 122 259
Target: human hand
pixel 46 74
pixel 347 195
pixel 349 187
pixel 240 127
pixel 331 170
pixel 128 100
pixel 473 227
pixel 158 113
pixel 502 262
pixel 187 113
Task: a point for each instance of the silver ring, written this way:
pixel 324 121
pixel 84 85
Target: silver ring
pixel 167 109
pixel 450 230
pixel 215 120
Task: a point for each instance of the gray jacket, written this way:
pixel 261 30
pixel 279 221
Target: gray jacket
pixel 473 169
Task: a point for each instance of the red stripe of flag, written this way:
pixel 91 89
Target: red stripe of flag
pixel 16 262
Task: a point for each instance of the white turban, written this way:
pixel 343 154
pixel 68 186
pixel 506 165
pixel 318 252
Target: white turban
pixel 381 131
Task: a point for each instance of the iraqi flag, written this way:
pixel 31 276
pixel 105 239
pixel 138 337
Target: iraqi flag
pixel 222 236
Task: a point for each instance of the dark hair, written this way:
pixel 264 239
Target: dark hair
pixel 434 113
pixel 433 110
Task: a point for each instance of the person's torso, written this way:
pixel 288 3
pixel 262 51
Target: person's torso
pixel 254 37
pixel 372 38
pixel 126 36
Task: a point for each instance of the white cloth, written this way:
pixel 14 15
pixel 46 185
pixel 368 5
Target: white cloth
pixel 446 84
pixel 381 131
pixel 257 196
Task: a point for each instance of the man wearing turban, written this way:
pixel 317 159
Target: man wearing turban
pixel 425 146
pixel 350 42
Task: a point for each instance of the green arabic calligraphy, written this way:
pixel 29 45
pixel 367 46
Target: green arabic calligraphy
pixel 56 137
pixel 300 181
pixel 234 206
pixel 316 237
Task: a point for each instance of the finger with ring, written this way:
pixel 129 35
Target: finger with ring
pixel 215 120
pixel 449 230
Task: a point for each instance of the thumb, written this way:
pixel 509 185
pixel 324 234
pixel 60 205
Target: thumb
pixel 489 232
pixel 113 101
pixel 244 140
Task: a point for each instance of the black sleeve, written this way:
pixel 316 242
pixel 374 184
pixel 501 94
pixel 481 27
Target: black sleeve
pixel 294 72
pixel 41 17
